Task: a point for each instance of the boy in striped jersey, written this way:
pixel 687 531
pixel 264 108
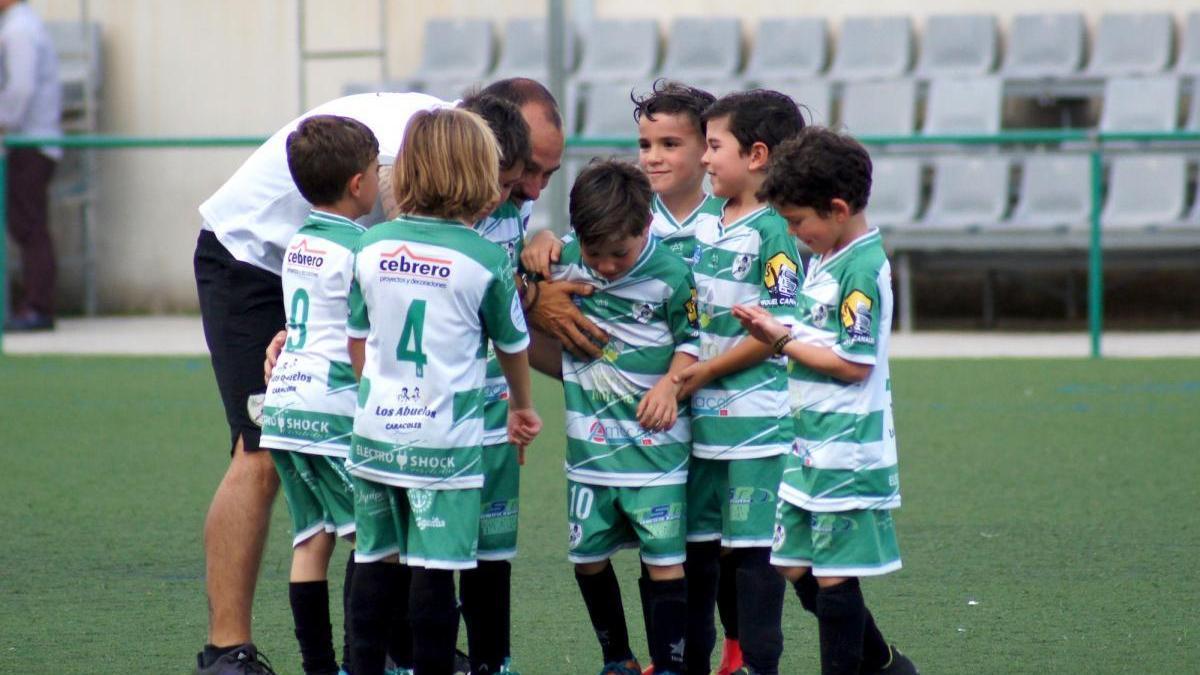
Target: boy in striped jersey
pixel 741 429
pixel 834 521
pixel 308 413
pixel 428 291
pixel 628 443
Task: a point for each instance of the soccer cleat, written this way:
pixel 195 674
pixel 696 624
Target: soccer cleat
pixel 245 660
pixel 629 667
pixel 396 671
pixel 506 667
pixel 731 657
pixel 649 670
pixel 899 664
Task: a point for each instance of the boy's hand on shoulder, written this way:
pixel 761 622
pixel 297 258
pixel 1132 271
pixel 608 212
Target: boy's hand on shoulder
pixel 692 378
pixel 555 314
pixel 759 323
pixel 659 408
pixel 542 251
pixel 274 348
pixel 524 424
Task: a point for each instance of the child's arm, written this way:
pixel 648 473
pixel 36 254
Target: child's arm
pixel 523 421
pixel 274 349
pixel 659 408
pixel 744 354
pixel 545 354
pixel 358 355
pixel 774 335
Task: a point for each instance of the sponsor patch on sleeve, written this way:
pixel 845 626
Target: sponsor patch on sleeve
pixel 856 317
pixel 693 314
pixel 782 279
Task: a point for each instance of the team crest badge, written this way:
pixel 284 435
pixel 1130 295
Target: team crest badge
pixel 643 312
pixel 741 267
pixel 782 278
pixel 254 408
pixel 856 317
pixel 818 314
pixel 420 500
pixel 574 536
pixel 779 538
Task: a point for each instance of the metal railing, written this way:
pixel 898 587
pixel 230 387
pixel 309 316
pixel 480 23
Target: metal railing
pixel 1093 141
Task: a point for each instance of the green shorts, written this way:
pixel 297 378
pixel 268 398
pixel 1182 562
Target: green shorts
pixel 604 519
pixel 319 494
pixel 733 500
pixel 838 544
pixel 500 498
pixel 436 529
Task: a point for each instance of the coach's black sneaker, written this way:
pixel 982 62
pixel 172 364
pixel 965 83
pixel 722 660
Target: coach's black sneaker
pixel 242 660
pixel 899 664
pixel 462 664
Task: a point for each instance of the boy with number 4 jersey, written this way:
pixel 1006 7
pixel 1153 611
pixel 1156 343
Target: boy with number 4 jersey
pixel 428 291
pixel 834 521
pixel 308 413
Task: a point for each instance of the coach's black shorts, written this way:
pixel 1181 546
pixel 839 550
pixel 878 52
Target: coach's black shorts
pixel 241 307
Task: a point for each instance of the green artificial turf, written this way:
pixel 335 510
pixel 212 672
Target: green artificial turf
pixel 1051 523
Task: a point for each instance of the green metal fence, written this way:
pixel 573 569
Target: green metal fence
pixel 1093 141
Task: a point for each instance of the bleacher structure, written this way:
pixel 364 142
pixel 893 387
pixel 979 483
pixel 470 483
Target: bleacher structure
pixel 953 75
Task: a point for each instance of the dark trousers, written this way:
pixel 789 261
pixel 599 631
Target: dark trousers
pixel 29 173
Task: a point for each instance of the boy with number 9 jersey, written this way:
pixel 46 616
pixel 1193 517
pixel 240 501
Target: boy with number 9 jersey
pixel 308 413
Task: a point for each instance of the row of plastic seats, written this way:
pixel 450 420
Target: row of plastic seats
pixel 1144 190
pixel 460 52
pixel 952 106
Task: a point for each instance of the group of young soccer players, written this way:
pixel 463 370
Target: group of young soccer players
pixel 737 429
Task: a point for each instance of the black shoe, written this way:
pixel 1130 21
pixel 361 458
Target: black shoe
pixel 29 321
pixel 462 664
pixel 244 660
pixel 899 665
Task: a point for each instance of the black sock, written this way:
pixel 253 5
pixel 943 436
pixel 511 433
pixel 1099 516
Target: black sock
pixel 668 613
pixel 702 570
pixel 727 596
pixel 806 590
pixel 876 652
pixel 347 582
pixel 373 596
pixel 400 638
pixel 602 596
pixel 213 652
pixel 644 594
pixel 310 611
pixel 433 611
pixel 841 616
pixel 486 595
pixel 760 610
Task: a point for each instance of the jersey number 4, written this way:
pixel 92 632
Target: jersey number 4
pixel 409 348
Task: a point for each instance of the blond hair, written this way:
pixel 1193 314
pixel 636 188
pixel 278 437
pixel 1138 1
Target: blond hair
pixel 448 166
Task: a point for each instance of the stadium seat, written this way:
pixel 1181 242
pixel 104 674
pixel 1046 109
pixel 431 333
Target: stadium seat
pixel 895 191
pixel 703 50
pixel 1145 190
pixel 608 111
pixel 964 106
pixel 619 49
pixel 1189 46
pixel 1132 44
pixel 1140 104
pixel 815 97
pixel 1055 192
pixel 957 45
pixel 454 54
pixel 872 47
pixel 879 108
pixel 524 52
pixel 968 191
pixel 1044 45
pixel 787 48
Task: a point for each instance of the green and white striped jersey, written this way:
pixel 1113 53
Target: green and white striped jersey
pixel 844 455
pixel 649 315
pixel 427 295
pixel 506 227
pixel 309 406
pixel 680 236
pixel 753 260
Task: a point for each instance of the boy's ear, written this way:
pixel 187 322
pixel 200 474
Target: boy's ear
pixel 759 154
pixel 354 185
pixel 841 210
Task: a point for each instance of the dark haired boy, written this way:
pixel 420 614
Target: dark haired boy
pixel 834 520
pixel 308 413
pixel 741 428
pixel 628 438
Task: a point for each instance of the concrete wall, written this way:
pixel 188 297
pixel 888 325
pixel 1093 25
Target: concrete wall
pixel 208 67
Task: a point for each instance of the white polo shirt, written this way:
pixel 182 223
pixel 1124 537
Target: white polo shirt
pixel 258 210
